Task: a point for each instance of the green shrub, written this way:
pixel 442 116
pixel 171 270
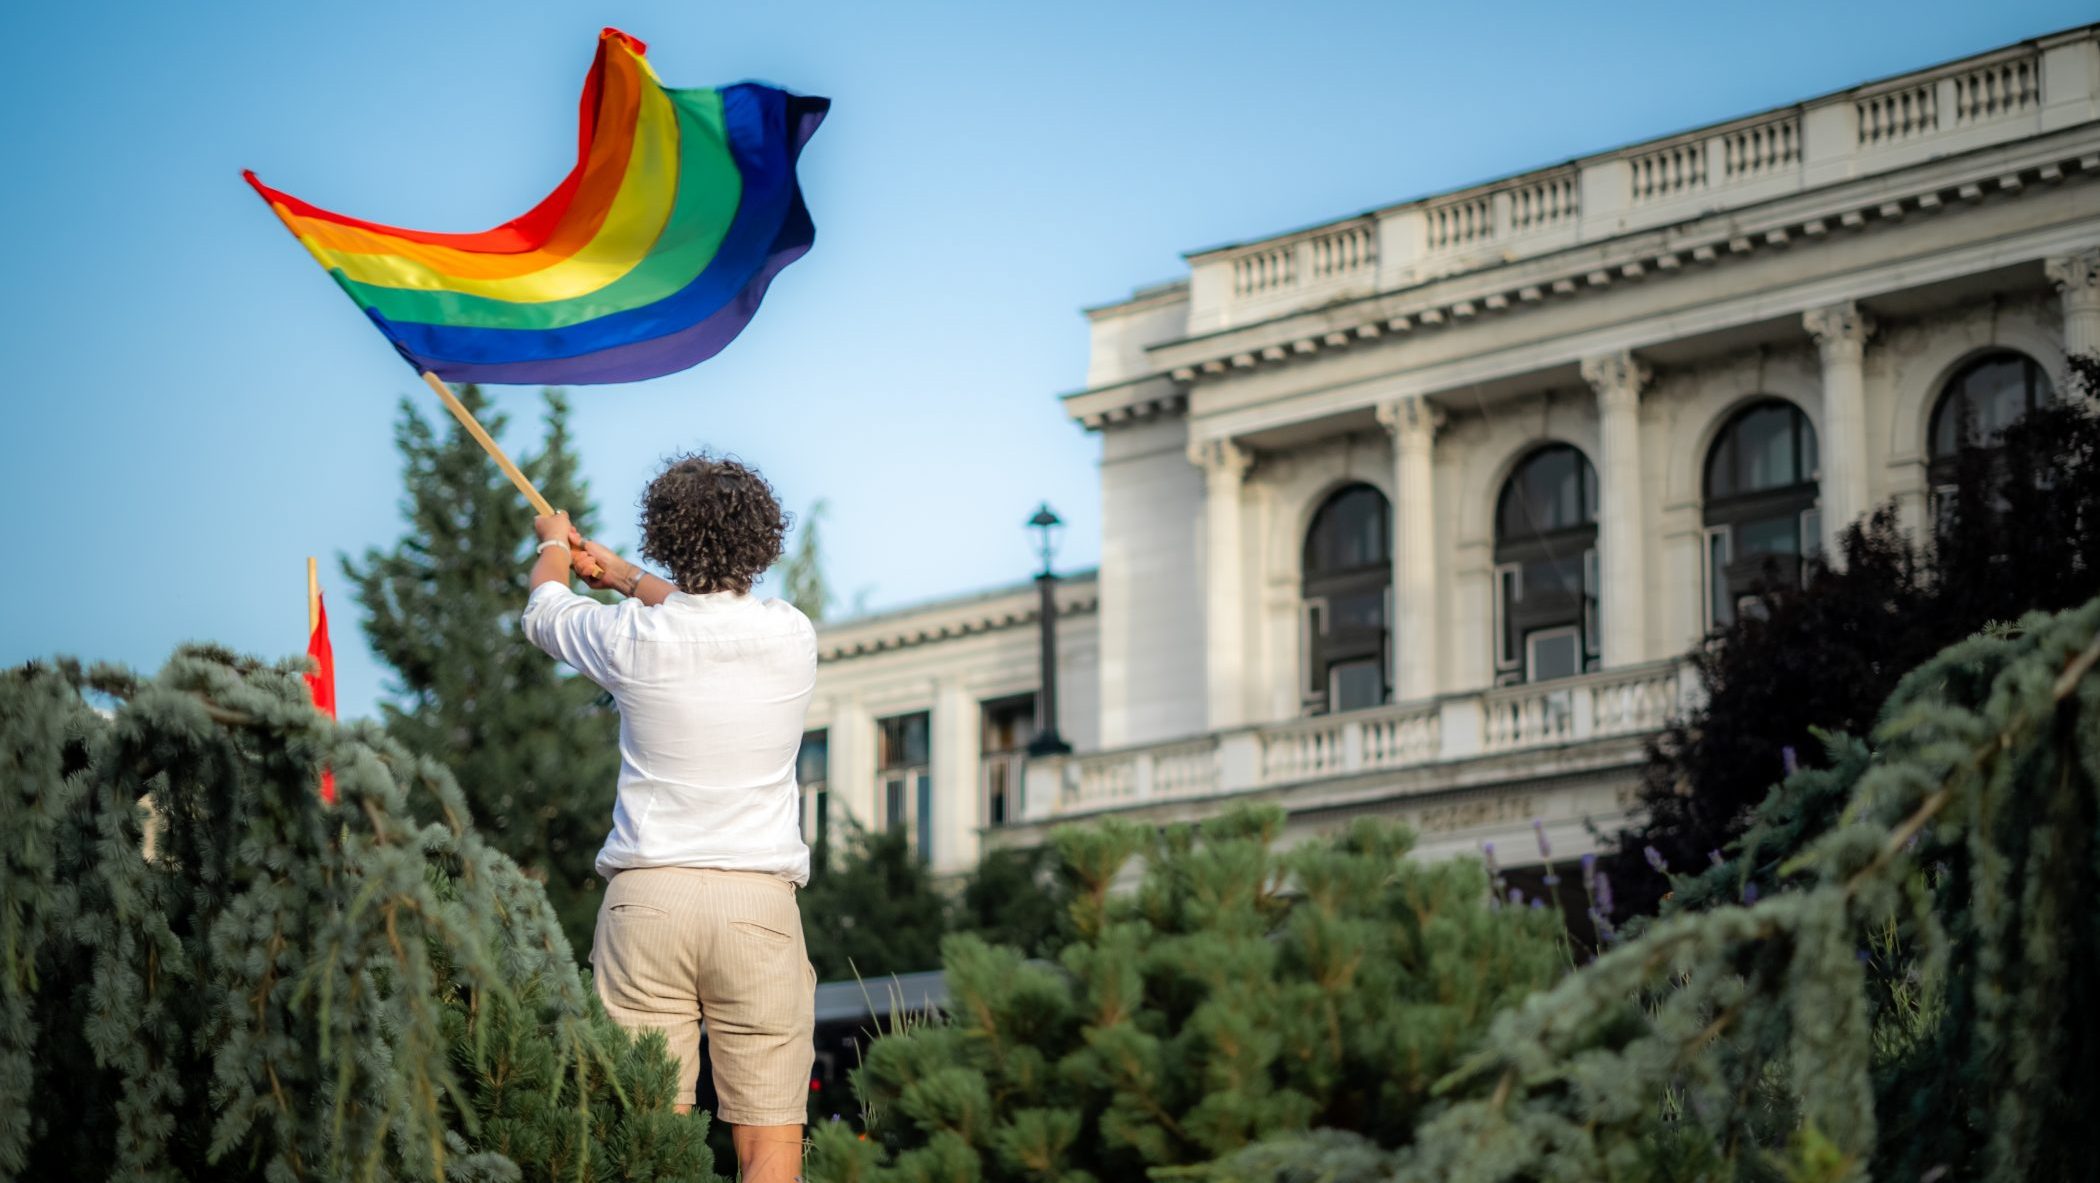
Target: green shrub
pixel 1241 990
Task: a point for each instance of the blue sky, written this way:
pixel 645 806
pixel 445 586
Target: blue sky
pixel 194 408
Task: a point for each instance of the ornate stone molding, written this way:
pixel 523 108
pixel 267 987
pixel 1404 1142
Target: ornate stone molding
pixel 1617 378
pixel 1472 297
pixel 1221 459
pixel 2076 276
pixel 1077 595
pixel 1410 419
pixel 1839 329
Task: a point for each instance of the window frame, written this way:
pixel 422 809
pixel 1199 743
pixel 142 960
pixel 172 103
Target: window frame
pixel 1324 644
pixel 1003 805
pixel 1722 515
pixel 1562 544
pixel 905 785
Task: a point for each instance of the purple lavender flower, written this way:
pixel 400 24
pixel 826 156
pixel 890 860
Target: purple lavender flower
pixel 1537 904
pixel 1714 856
pixel 1749 893
pixel 1487 851
pixel 1516 897
pixel 1788 761
pixel 1545 848
pixel 1605 934
pixel 1603 893
pixel 1655 859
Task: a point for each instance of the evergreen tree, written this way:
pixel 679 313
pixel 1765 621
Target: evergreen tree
pixel 802 573
pixel 275 988
pixel 2018 533
pixel 1240 991
pixel 534 746
pixel 1757 1040
pixel 871 908
pixel 1015 898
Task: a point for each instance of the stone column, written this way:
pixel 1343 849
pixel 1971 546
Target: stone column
pixel 1412 422
pixel 1617 379
pixel 1224 466
pixel 2077 279
pixel 1841 332
pixel 956 772
pixel 850 779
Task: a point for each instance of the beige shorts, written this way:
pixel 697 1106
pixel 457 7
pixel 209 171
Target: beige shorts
pixel 679 946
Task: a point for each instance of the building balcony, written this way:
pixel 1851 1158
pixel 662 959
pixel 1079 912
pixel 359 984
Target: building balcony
pixel 1483 753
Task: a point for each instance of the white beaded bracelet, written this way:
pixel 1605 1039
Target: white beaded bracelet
pixel 542 547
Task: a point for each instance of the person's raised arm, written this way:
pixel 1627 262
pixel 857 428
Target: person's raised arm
pixel 560 547
pixel 617 574
pixel 576 629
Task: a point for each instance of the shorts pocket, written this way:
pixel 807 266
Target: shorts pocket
pixel 634 911
pixel 771 936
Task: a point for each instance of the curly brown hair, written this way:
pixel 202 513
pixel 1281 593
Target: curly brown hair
pixel 713 520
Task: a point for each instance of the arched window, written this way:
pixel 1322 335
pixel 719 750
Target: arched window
pixel 1761 515
pixel 1348 581
pixel 1546 568
pixel 1979 402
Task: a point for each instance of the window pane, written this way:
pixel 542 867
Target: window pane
pixel 1355 685
pixel 1986 398
pixel 1768 536
pixel 1362 610
pixel 1553 653
pixel 1765 446
pixel 1720 605
pixel 1769 446
pixel 924 788
pixel 904 740
pixel 1558 576
pixel 1509 588
pixel 1009 723
pixel 1553 490
pixel 1349 531
pixel 999 776
pixel 811 763
pixel 893 802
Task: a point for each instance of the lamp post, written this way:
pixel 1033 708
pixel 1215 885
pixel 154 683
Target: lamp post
pixel 1047 741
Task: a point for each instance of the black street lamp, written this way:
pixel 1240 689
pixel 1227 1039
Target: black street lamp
pixel 1047 742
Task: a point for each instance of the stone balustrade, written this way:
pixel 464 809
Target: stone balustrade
pixel 1638 700
pixel 1998 97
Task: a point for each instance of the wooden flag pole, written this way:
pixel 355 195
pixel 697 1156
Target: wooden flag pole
pixel 466 419
pixel 313 596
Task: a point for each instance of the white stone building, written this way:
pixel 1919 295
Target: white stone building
pixel 1412 512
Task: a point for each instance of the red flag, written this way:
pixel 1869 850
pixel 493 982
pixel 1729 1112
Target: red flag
pixel 322 680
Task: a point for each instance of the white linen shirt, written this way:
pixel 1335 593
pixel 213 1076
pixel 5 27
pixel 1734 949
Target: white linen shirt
pixel 712 691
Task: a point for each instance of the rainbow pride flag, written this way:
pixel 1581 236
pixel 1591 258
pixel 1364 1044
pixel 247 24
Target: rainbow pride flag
pixel 651 255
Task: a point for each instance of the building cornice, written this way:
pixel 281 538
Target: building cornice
pixel 998 610
pixel 1938 188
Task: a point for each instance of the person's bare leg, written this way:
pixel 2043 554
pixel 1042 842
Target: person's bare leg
pixel 768 1153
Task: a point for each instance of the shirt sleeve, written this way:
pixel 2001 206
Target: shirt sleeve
pixel 576 629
